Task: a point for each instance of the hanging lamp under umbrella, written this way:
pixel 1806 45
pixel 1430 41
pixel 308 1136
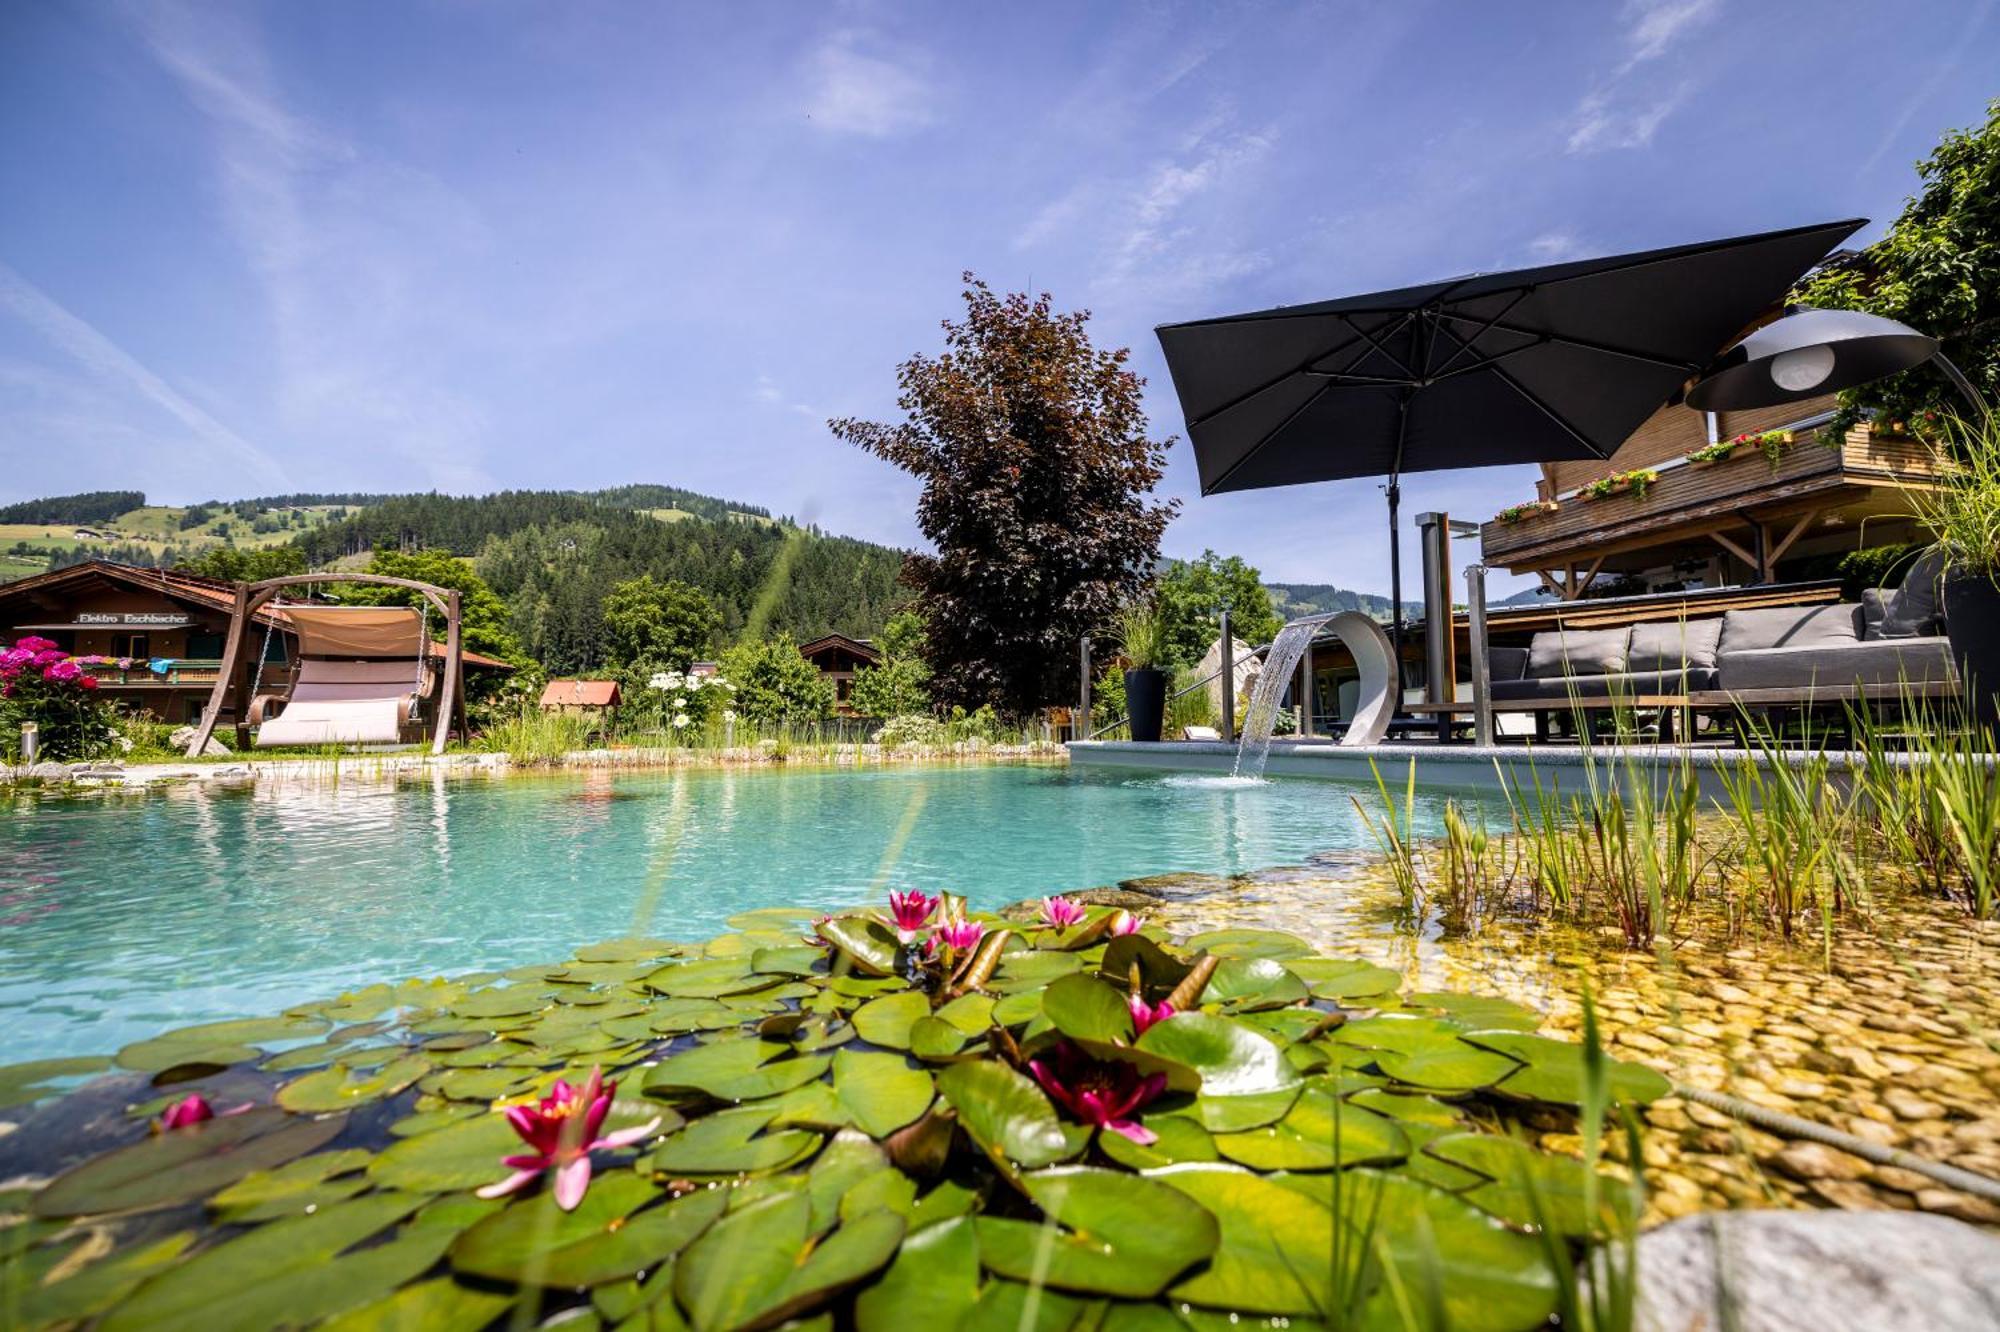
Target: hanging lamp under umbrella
pixel 1534 365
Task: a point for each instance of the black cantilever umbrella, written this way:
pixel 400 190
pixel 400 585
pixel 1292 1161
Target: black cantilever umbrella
pixel 1536 365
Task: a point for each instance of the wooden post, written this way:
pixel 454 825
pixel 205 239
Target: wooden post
pixel 1082 727
pixel 451 706
pixel 232 653
pixel 1228 727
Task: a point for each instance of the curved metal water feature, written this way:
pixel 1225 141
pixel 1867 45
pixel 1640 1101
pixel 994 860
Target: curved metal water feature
pixel 1375 700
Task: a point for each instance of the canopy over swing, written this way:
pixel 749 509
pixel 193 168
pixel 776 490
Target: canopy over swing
pixel 364 673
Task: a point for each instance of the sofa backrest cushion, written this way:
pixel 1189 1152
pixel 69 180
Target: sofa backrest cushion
pixel 1915 609
pixel 1674 645
pixel 1578 652
pixel 1790 626
pixel 1507 663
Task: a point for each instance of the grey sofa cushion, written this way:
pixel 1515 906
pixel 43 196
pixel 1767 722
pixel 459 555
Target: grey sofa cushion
pixel 1874 609
pixel 1836 665
pixel 1789 627
pixel 1578 652
pixel 1598 687
pixel 1507 663
pixel 1916 608
pixel 1675 644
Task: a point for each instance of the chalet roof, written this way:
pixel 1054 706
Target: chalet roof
pixel 212 594
pixel 580 694
pixel 860 647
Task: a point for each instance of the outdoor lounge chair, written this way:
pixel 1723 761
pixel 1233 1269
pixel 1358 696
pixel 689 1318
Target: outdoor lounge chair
pixel 362 678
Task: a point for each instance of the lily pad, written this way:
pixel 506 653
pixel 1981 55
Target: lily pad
pixel 1242 984
pixel 1344 977
pixel 1177 1139
pixel 439 1305
pixel 510 1001
pixel 1159 970
pixel 731 1142
pixel 1121 1234
pixel 887 1021
pixel 1319 1132
pixel 1274 1245
pixel 464 1155
pixel 931 1037
pixel 337 1088
pixel 1250 943
pixel 1532 1189
pixel 934 1281
pixel 791 960
pixel 1554 1070
pixel 1482 1012
pixel 607 1237
pixel 1088 1009
pixel 970 1013
pixel 710 978
pixel 184 1164
pixel 880 1091
pixel 98 1286
pixel 280 1273
pixel 20 1083
pixel 735 1070
pixel 309 1182
pixel 1244 1078
pixel 865 944
pixel 757 1266
pixel 1457 1067
pixel 1489 1278
pixel 1008 1116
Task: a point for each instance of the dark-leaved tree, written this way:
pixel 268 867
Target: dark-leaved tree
pixel 1037 475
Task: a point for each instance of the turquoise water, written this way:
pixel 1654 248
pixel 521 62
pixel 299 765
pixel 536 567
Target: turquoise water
pixel 121 918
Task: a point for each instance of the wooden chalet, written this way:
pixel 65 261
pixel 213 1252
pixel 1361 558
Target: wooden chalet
pixel 838 657
pixel 163 631
pixel 1750 518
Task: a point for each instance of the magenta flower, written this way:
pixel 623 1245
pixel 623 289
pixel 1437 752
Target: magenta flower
pixel 562 1130
pixel 1100 1092
pixel 1123 922
pixel 1061 912
pixel 814 939
pixel 911 910
pixel 189 1110
pixel 34 643
pixel 960 935
pixel 1145 1015
pixel 61 670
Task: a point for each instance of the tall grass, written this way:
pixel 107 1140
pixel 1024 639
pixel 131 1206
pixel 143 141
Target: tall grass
pixel 533 737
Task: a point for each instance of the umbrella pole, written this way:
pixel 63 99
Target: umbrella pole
pixel 1396 558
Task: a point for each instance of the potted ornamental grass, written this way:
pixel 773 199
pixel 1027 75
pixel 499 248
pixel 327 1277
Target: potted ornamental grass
pixel 1142 643
pixel 1963 510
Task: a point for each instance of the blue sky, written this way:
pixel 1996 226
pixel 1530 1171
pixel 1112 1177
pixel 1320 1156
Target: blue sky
pixel 386 246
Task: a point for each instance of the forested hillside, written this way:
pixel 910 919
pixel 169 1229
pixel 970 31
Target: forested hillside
pixel 551 556
pixel 1291 600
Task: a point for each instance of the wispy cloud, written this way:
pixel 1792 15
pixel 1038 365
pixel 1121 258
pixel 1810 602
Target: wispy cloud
pixel 1552 247
pixel 1627 109
pixel 116 367
pixel 871 91
pixel 1155 250
pixel 340 244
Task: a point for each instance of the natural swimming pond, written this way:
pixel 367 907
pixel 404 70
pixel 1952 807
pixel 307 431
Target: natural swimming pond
pixel 122 917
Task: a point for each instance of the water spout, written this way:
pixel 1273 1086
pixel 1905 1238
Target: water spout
pixel 1280 662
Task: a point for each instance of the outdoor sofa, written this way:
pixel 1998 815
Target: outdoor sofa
pixel 1891 638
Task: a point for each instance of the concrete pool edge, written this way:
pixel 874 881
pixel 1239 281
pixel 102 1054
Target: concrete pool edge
pixel 1491 769
pixel 111 774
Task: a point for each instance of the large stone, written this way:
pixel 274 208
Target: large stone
pixel 1814 1271
pixel 183 736
pixel 1812 1160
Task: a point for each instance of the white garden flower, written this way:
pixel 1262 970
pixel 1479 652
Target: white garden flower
pixel 729 714
pixel 680 700
pixel 659 681
pixel 680 721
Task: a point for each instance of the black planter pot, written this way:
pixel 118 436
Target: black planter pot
pixel 1972 621
pixel 1146 702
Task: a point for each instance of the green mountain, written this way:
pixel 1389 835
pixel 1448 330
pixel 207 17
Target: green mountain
pixel 550 555
pixel 1292 600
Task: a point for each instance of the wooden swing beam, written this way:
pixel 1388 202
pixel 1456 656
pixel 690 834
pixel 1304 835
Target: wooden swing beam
pixel 234 677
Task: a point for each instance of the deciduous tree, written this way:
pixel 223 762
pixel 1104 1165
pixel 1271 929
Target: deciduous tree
pixel 1190 598
pixel 1037 480
pixel 665 623
pixel 1938 270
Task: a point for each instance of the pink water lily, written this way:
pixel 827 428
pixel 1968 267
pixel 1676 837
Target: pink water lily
pixel 1123 922
pixel 188 1110
pixel 562 1130
pixel 814 940
pixel 1102 1092
pixel 1061 912
pixel 192 1109
pixel 911 909
pixel 1145 1015
pixel 960 935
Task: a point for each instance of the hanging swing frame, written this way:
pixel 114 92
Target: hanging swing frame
pixel 232 681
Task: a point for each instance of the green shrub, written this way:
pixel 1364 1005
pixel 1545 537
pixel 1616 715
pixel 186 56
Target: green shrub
pixel 915 728
pixel 41 683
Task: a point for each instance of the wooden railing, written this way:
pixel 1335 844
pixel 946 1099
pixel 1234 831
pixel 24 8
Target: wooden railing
pixel 180 671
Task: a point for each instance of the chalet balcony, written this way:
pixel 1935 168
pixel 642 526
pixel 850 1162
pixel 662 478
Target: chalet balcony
pixel 1743 506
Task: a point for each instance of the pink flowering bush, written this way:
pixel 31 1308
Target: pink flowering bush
pixel 41 683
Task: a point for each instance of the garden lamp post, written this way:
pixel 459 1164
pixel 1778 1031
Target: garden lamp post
pixel 1812 352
